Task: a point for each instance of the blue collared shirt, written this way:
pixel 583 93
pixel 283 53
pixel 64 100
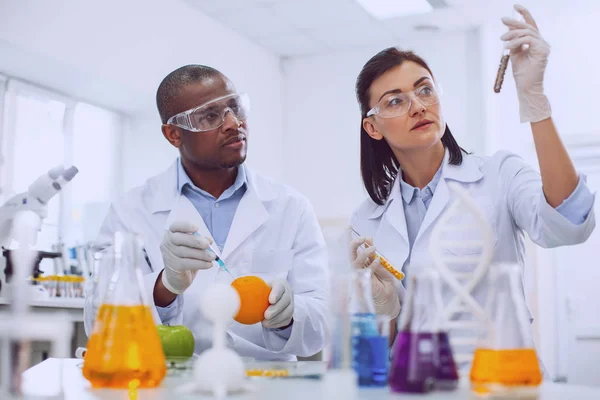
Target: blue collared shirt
pixel 416 203
pixel 217 213
pixel 218 216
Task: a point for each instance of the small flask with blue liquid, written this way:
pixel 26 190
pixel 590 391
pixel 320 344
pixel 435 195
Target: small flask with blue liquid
pixel 370 333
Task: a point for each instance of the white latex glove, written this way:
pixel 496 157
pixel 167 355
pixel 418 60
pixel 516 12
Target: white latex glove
pixel 383 285
pixel 279 314
pixel 183 255
pixel 528 65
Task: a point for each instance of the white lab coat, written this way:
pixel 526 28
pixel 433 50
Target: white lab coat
pixel 274 234
pixel 508 191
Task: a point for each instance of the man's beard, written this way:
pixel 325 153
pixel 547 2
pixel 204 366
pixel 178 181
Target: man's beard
pixel 234 163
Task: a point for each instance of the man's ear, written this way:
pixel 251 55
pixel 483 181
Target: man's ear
pixel 172 134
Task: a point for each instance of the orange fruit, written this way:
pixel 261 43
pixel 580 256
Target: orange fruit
pixel 254 299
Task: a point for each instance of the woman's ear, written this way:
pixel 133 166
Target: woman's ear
pixel 371 130
pixel 172 134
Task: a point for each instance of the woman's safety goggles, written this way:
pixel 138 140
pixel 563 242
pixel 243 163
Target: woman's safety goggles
pixel 211 115
pixel 398 104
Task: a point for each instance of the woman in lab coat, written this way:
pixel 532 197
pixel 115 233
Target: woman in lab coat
pixel 408 155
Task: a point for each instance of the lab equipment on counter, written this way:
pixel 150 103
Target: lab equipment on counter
pixel 463 226
pixel 421 357
pixel 35 199
pixel 20 221
pixel 60 266
pixel 370 343
pixel 219 370
pixel 46 285
pixel 124 349
pixel 505 362
pixel 22 325
pixel 103 268
pixel 285 369
pixel 384 262
pixel 340 379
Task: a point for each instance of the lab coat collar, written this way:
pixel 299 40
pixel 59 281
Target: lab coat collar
pixel 165 191
pixel 250 214
pixel 468 171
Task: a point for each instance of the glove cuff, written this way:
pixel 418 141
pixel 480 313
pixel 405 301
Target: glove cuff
pixel 171 286
pixel 386 303
pixel 534 107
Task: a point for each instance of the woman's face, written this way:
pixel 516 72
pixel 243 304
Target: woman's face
pixel 422 126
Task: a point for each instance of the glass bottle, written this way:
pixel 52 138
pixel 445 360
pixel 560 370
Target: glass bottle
pixel 415 355
pixel 124 349
pixel 505 361
pixel 370 348
pixel 103 265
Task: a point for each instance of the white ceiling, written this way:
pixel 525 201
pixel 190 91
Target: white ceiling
pixel 302 27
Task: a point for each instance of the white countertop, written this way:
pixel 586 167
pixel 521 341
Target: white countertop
pixel 43 380
pixel 54 302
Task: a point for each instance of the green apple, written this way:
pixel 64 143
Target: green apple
pixel 177 341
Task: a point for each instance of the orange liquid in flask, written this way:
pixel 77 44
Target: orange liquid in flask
pixel 124 350
pixel 509 368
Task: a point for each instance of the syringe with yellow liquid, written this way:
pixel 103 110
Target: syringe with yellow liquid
pixel 384 263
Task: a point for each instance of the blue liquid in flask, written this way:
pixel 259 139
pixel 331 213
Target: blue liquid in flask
pixel 370 351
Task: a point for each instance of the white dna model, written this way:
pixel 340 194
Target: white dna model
pixel 456 231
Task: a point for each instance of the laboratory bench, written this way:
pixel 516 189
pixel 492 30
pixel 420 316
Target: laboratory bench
pixel 43 380
pixel 73 307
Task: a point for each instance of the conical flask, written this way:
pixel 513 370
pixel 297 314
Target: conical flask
pixel 413 367
pixel 124 350
pixel 506 362
pixel 102 271
pixel 446 372
pixel 370 339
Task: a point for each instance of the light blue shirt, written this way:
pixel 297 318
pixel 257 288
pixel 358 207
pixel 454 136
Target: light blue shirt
pixel 217 213
pixel 416 203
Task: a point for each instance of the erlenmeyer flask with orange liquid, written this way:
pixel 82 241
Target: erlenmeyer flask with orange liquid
pixel 124 349
pixel 505 363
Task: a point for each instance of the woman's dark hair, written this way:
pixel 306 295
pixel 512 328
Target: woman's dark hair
pixel 378 165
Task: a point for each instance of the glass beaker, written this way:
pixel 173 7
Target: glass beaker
pixel 103 268
pixel 124 350
pixel 506 360
pixel 370 333
pixel 422 357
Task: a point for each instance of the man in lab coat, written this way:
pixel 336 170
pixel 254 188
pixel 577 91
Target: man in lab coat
pixel 258 227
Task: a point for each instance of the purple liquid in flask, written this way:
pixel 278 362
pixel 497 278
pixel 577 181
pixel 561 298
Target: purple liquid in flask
pixel 413 368
pixel 446 377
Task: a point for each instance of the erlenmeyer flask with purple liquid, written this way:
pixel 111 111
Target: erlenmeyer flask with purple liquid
pixel 422 357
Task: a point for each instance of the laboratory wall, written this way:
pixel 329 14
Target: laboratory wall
pixel 322 119
pixel 114 54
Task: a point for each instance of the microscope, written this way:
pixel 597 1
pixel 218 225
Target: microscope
pixel 35 199
pixel 20 221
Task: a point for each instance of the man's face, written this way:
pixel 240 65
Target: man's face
pixel 223 147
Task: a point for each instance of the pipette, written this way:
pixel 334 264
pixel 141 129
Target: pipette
pixel 217 258
pixel 384 263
